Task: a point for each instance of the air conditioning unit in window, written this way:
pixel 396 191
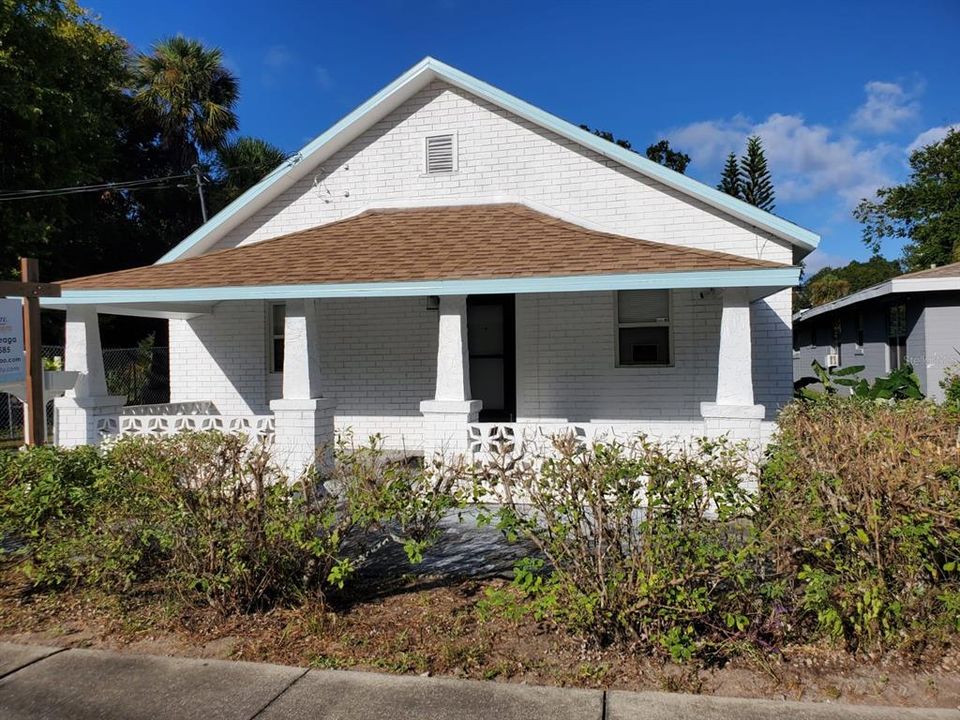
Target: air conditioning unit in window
pixel 832 360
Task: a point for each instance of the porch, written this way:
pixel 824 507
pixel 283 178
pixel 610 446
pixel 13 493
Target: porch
pixel 415 370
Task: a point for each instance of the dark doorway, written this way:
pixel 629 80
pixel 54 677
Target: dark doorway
pixel 491 341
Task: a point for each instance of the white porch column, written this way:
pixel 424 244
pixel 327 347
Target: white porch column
pixel 87 412
pixel 445 417
pixel 303 418
pixel 734 412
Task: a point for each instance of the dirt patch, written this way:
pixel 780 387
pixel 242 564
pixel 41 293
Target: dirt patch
pixel 436 629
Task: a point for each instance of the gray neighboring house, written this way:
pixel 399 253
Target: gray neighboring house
pixel 913 318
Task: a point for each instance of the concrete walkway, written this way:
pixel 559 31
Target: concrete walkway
pixel 45 682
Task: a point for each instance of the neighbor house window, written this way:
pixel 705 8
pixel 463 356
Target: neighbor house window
pixel 836 342
pixel 278 314
pixel 859 348
pixel 643 327
pixel 897 336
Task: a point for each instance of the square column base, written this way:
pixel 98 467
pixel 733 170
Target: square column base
pixel 738 422
pixel 303 434
pixel 86 420
pixel 445 426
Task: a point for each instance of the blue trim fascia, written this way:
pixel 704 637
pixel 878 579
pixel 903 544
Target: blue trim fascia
pixel 763 277
pixel 687 185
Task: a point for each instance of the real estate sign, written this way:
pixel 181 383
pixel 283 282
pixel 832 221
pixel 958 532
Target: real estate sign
pixel 13 365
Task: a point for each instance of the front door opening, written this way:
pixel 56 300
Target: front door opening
pixel 492 345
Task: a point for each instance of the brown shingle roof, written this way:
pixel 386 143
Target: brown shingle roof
pixel 436 243
pixel 944 271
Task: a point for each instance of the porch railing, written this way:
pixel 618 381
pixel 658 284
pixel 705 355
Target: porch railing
pixel 171 418
pixel 492 439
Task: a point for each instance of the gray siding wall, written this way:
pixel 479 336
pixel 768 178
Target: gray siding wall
pixel 942 325
pixel 933 338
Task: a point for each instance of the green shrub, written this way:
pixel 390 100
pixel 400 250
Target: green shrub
pixel 642 541
pixel 46 496
pixel 395 495
pixel 950 384
pixel 209 516
pixel 860 512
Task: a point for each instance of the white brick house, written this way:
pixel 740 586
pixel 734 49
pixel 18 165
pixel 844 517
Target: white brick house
pixel 391 278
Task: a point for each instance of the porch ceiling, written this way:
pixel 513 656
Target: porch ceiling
pixel 430 251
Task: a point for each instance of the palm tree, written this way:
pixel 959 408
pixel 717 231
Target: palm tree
pixel 240 164
pixel 186 87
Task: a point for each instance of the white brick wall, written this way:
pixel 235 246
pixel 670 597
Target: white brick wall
pixel 221 357
pixel 378 361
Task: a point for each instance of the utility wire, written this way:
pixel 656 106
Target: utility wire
pixel 143 184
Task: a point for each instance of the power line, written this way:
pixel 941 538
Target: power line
pixel 143 184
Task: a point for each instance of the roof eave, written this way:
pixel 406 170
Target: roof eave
pixel 895 286
pixel 415 79
pixel 763 281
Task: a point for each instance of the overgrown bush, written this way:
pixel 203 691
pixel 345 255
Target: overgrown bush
pixel 395 494
pixel 860 510
pixel 207 515
pixel 643 541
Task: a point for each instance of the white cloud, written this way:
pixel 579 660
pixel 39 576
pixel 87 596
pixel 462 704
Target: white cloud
pixel 277 57
pixel 931 136
pixel 322 76
pixel 818 260
pixel 807 161
pixel 887 107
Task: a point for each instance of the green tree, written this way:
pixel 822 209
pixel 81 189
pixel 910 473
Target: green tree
pixel 240 164
pixel 62 118
pixel 827 288
pixel 609 137
pixel 730 179
pixel 925 210
pixel 662 153
pixel 755 181
pixel 831 283
pixel 185 86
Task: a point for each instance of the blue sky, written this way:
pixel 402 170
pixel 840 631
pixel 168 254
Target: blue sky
pixel 839 91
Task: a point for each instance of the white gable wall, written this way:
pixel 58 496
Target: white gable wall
pixel 499 155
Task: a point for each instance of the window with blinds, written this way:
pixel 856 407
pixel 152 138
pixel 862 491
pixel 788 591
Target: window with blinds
pixel 440 154
pixel 643 327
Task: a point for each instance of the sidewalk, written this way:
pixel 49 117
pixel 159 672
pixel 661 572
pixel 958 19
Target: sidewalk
pixel 46 682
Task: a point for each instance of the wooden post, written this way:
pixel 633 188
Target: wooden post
pixel 35 413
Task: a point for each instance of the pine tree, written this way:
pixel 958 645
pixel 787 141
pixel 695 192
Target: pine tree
pixel 755 181
pixel 730 179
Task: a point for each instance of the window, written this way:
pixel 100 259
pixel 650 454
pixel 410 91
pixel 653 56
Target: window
pixel 643 327
pixel 278 315
pixel 440 154
pixel 897 336
pixel 859 349
pixel 836 342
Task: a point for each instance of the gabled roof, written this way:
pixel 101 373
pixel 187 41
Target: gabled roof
pixel 945 277
pixel 411 82
pixel 423 244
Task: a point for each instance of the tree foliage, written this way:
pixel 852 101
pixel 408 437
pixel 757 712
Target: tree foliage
pixel 240 164
pixel 925 210
pixel 78 108
pixel 730 178
pixel 189 93
pixel 662 153
pixel 755 181
pixel 830 283
pixel 659 152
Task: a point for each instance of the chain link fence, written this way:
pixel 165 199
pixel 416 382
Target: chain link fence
pixel 141 374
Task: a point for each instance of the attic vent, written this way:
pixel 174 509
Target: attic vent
pixel 440 154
